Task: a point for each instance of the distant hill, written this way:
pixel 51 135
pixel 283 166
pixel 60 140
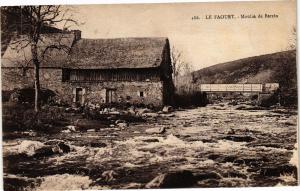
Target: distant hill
pixel 277 67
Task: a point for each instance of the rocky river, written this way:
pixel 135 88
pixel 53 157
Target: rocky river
pixel 215 146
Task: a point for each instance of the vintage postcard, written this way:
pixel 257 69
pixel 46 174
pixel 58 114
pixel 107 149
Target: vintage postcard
pixel 138 96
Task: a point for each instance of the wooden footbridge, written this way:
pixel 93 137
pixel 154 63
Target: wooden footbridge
pixel 247 88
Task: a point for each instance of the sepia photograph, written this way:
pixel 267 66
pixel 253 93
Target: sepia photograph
pixel 149 95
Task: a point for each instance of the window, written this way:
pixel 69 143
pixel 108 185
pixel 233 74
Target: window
pixel 141 94
pixel 65 75
pixel 24 70
pixel 79 94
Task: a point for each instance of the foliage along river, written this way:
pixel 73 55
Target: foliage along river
pixel 223 145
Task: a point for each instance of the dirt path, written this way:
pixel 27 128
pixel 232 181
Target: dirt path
pixel 223 146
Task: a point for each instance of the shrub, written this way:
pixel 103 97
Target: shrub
pixel 188 99
pixel 20 117
pixel 6 95
pixel 268 100
pixel 289 97
pixel 26 95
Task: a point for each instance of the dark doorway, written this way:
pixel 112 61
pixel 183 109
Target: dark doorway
pixel 110 96
pixel 79 94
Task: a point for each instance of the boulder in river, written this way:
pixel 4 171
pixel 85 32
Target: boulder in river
pixel 29 147
pixel 122 125
pixel 168 115
pixel 66 131
pixel 98 144
pixel 207 175
pixel 120 121
pixel 294 159
pixel 230 132
pixel 72 128
pixel 278 170
pixel 143 110
pixel 132 185
pixel 177 179
pixel 156 130
pixel 45 151
pixel 49 150
pixel 131 111
pixel 114 113
pixel 240 138
pixel 64 147
pixel 109 175
pixel 153 115
pixel 167 109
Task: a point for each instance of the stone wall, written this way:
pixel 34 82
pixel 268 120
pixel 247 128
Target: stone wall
pixel 50 78
pixel 148 93
pixel 17 78
pixel 13 78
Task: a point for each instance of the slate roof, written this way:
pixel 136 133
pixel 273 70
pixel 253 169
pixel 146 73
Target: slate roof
pixel 117 53
pixel 95 53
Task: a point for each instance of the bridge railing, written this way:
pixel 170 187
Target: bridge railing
pixel 267 87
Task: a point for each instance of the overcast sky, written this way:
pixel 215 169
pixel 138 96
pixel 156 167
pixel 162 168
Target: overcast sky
pixel 203 42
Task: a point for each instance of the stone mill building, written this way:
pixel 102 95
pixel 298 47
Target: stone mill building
pixel 99 71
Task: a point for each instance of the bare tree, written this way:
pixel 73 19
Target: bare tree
pixel 187 68
pixel 177 63
pixel 183 75
pixel 293 39
pixel 33 20
pixel 286 72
